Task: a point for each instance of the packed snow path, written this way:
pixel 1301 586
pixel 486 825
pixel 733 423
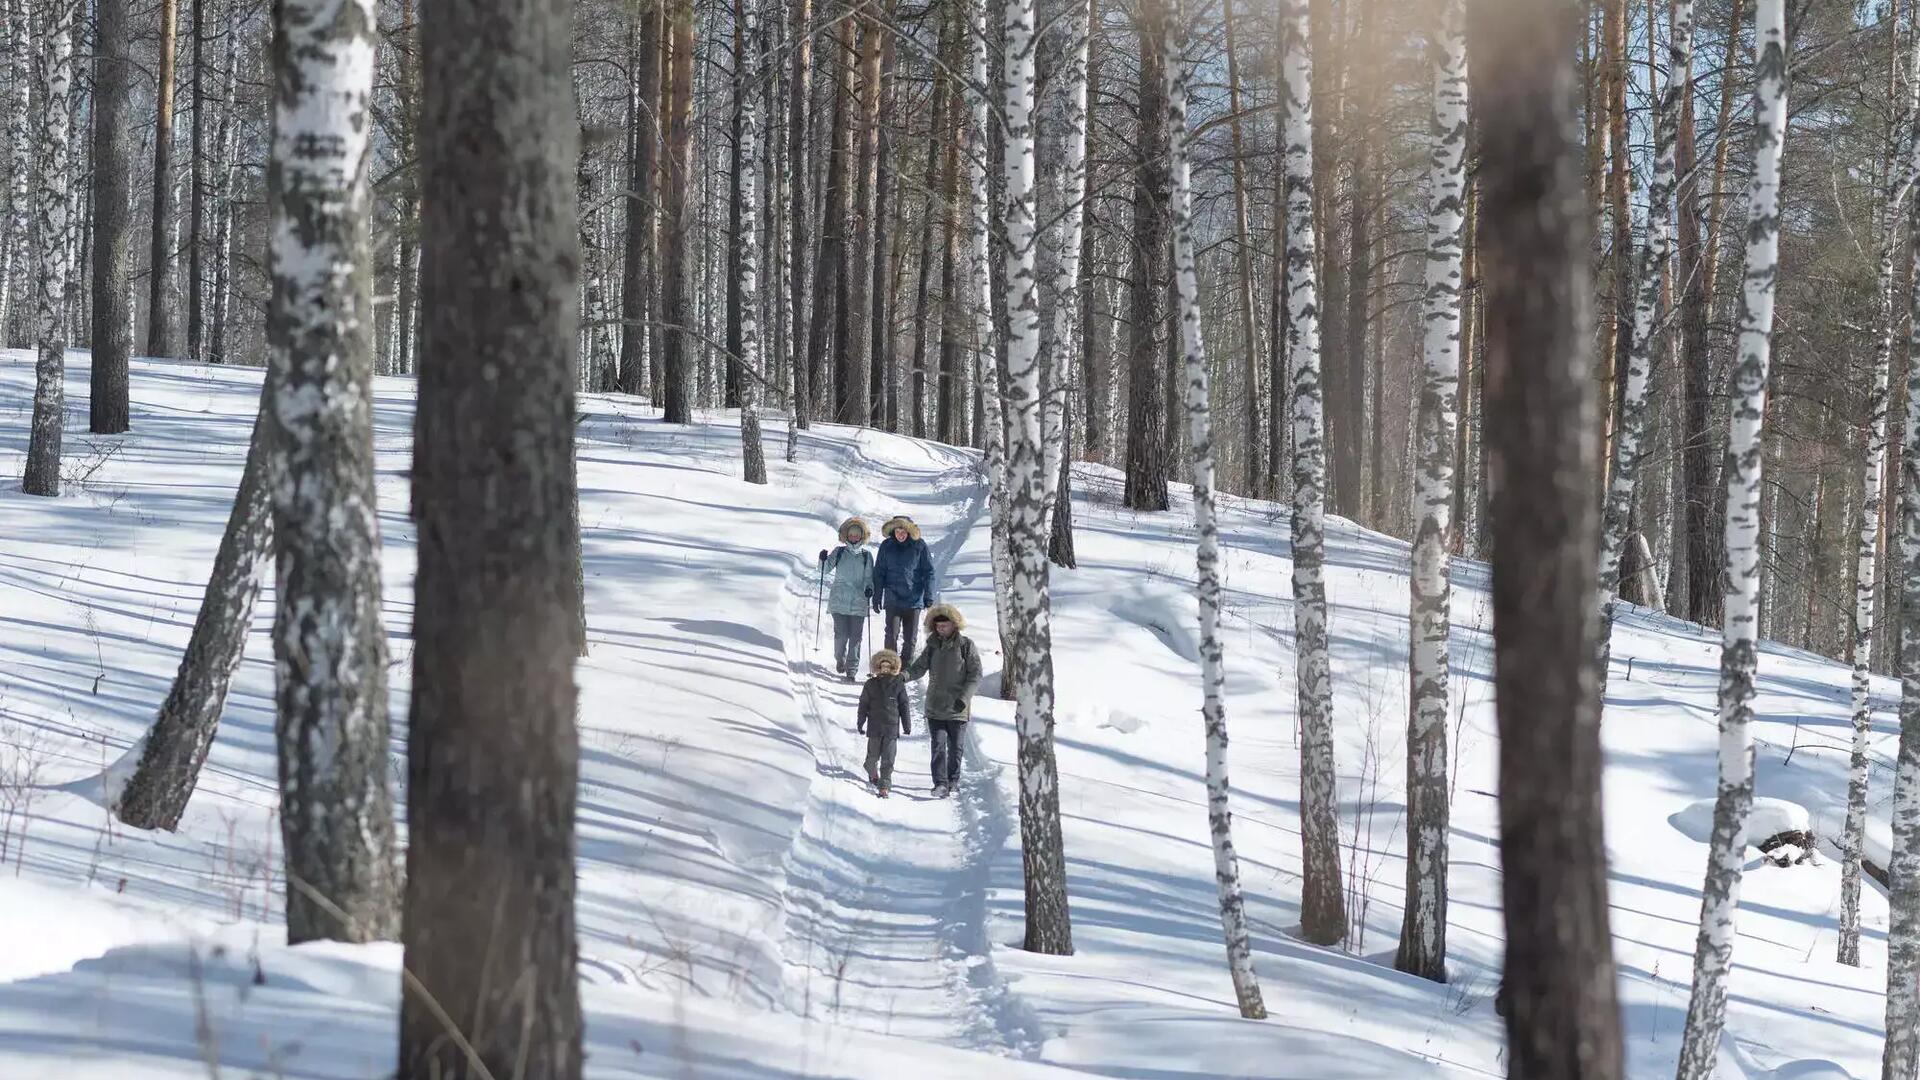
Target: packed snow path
pixel 884 898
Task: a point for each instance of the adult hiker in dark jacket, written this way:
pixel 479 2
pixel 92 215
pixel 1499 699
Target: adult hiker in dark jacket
pixel 902 581
pixel 885 715
pixel 851 568
pixel 951 665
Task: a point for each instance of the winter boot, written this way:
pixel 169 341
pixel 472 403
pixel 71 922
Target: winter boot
pixel 884 791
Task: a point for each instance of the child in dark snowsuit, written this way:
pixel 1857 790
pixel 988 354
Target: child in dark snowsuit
pixel 884 716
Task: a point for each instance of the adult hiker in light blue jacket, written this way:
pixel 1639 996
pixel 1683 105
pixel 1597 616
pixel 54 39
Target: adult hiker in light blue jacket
pixel 850 567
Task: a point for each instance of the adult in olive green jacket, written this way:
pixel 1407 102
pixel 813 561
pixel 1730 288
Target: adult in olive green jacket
pixel 950 663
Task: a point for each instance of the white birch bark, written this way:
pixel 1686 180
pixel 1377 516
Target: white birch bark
pixel 1423 933
pixel 1322 908
pixel 330 648
pixel 1713 950
pixel 753 452
pixel 20 161
pixel 1226 861
pixel 1072 182
pixel 1653 256
pixel 1900 1055
pixel 1043 858
pixel 986 362
pixel 1901 157
pixel 53 72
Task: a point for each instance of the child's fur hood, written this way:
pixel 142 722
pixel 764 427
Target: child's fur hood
pixel 885 658
pixel 854 523
pixel 900 521
pixel 948 611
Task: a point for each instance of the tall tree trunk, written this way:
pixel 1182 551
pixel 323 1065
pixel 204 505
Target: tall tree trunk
pixel 176 747
pixel 884 395
pixel 330 647
pixel 800 212
pixel 830 275
pixel 736 230
pixel 223 201
pixel 107 398
pixel 15 230
pixel 853 346
pixel 1213 711
pixel 1323 915
pixel 1043 856
pixel 1147 453
pixel 1066 238
pixel 1423 931
pixel 955 297
pixel 677 265
pixel 53 73
pixel 1620 264
pixel 197 192
pixel 1713 951
pixel 751 46
pixel 637 280
pixel 1900 1055
pixel 1900 175
pixel 493 748
pixel 939 193
pixel 1704 504
pixel 1630 430
pixel 160 258
pixel 1254 445
pixel 1350 473
pixel 1562 1010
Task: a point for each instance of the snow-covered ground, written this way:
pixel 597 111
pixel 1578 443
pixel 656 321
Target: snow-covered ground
pixel 746 908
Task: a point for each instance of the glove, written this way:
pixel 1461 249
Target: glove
pixel 823 554
pixel 906 728
pixel 876 605
pixel 869 593
pixel 860 728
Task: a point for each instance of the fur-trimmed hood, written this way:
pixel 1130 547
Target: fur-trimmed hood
pixel 854 523
pixel 947 611
pixel 886 658
pixel 900 521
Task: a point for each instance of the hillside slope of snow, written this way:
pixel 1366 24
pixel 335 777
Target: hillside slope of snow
pixel 746 908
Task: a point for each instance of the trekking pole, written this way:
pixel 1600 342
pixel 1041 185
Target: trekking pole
pixel 819 600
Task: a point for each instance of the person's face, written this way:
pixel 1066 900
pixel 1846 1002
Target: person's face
pixel 943 627
pixel 900 535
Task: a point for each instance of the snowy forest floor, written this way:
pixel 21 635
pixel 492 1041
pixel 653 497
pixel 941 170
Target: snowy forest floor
pixel 746 908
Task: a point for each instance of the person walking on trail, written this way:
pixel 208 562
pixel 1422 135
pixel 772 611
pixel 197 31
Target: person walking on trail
pixel 902 581
pixel 851 566
pixel 951 664
pixel 884 716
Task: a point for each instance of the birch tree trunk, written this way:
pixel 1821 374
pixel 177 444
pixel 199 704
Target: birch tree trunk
pixel 330 648
pixel 14 230
pixel 223 232
pixel 746 74
pixel 1323 913
pixel 160 255
pixel 1713 950
pixel 493 746
pixel 1213 672
pixel 1043 856
pixel 677 266
pixel 638 279
pixel 1255 445
pixel 854 346
pixel 800 213
pixel 1900 1055
pixel 107 397
pixel 197 192
pixel 1423 932
pixel 1901 175
pixel 1072 181
pixel 1562 1011
pixel 53 72
pixel 1631 430
pixel 176 747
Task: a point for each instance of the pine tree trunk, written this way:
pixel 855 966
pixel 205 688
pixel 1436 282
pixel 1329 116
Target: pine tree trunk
pixel 1323 914
pixel 53 73
pixel 176 747
pixel 829 273
pixel 1901 176
pixel 884 391
pixel 950 420
pixel 1562 1011
pixel 108 391
pixel 197 192
pixel 677 265
pixel 853 345
pixel 1148 463
pixel 160 256
pixel 1423 932
pixel 493 748
pixel 746 72
pixel 800 212
pixel 1226 861
pixel 1630 432
pixel 223 233
pixel 939 193
pixel 1713 951
pixel 636 282
pixel 330 647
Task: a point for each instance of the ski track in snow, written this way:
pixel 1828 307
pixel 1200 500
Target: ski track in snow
pixel 885 899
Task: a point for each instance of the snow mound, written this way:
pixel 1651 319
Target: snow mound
pixel 1769 818
pixel 1809 1069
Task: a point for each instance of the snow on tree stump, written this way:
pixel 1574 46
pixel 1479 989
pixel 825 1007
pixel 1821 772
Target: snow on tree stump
pixel 1789 848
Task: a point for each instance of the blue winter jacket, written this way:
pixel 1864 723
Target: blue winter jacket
pixel 903 574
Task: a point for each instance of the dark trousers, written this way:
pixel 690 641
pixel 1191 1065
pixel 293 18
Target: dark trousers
pixel 881 747
pixel 903 626
pixel 949 739
pixel 847 633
